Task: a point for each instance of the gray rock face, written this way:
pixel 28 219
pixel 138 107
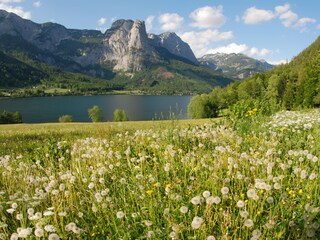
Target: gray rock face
pixel 14 25
pixel 45 36
pixel 126 45
pixel 234 65
pixel 173 43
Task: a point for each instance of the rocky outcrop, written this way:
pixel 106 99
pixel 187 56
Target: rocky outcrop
pixel 173 43
pixel 126 45
pixel 234 65
pixel 45 36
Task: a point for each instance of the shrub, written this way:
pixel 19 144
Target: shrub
pixel 95 114
pixel 202 106
pixel 9 117
pixel 65 119
pixel 120 115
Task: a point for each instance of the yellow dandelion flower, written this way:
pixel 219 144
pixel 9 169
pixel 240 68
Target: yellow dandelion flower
pixel 156 185
pixel 149 192
pixel 168 185
pixel 300 191
pixel 309 197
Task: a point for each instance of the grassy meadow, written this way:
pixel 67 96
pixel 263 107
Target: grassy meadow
pixel 257 178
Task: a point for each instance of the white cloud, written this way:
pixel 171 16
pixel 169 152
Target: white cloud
pixel 170 21
pixel 200 41
pixel 37 4
pixel 258 52
pixel 254 15
pixel 241 48
pixel 277 62
pixel 318 27
pixel 149 22
pixel 288 18
pixel 10 1
pixel 282 9
pixel 17 10
pixel 231 48
pixel 302 22
pixel 102 21
pixel 208 17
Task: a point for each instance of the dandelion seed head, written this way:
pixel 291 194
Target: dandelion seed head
pixel 248 223
pixel 184 209
pixel 53 236
pixel 251 193
pixel 120 214
pixel 210 238
pixel 196 200
pixel 38 232
pixel 14 236
pixel 240 204
pixel 196 222
pixel 225 190
pixel 206 194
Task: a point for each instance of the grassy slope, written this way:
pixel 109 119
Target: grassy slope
pixel 26 136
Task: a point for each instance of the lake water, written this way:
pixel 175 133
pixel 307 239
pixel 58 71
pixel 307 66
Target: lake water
pixel 49 109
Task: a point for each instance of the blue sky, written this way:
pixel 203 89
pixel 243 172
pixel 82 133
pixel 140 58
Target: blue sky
pixel 273 30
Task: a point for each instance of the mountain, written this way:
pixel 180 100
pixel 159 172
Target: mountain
pixel 125 55
pixel 173 43
pixel 125 46
pixel 234 65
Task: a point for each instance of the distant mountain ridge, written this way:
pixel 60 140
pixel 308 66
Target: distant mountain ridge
pixel 125 46
pixel 234 65
pixel 125 55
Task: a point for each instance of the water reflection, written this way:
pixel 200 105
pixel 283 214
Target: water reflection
pixel 49 109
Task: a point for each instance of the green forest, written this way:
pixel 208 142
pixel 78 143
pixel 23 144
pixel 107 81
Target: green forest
pixel 291 86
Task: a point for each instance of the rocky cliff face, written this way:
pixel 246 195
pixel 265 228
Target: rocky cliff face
pixel 126 46
pixel 45 36
pixel 173 43
pixel 234 65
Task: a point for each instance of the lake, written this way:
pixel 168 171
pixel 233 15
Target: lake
pixel 49 109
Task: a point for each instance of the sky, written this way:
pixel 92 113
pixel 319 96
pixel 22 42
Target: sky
pixel 273 30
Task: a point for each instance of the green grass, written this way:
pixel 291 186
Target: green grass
pixel 57 91
pixel 186 179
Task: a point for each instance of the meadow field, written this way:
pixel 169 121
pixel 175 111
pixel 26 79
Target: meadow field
pixel 256 178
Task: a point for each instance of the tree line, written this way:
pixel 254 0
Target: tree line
pixel 295 85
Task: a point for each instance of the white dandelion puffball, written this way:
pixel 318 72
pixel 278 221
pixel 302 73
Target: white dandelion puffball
pixel 196 222
pixel 53 236
pixel 184 209
pixel 120 214
pixel 206 194
pixel 248 223
pixel 196 200
pixel 240 204
pixel 225 190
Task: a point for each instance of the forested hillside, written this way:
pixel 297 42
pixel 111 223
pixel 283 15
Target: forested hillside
pixel 289 86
